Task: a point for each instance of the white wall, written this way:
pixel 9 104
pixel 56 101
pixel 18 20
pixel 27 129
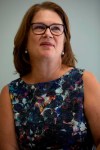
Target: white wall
pixel 84 17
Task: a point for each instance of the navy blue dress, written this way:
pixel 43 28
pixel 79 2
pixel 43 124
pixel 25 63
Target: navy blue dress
pixel 50 115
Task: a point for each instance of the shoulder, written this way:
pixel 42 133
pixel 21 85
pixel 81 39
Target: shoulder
pixel 90 81
pixel 4 91
pixel 5 102
pixel 88 75
pixel 91 88
pixel 4 94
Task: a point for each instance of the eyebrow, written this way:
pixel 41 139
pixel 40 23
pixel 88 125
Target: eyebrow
pixel 46 24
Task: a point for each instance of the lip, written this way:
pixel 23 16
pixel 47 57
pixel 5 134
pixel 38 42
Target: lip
pixel 46 44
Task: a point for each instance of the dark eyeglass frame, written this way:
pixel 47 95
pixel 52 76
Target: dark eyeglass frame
pixel 46 27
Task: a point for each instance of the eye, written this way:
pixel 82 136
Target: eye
pixel 38 27
pixel 55 28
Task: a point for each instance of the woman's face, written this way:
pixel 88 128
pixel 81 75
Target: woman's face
pixel 47 45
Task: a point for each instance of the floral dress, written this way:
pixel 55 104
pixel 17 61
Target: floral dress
pixel 50 115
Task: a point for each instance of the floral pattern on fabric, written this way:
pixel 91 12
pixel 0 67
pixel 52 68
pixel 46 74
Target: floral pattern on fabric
pixel 50 115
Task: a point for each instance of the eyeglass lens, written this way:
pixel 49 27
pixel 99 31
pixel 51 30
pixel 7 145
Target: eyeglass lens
pixel 39 28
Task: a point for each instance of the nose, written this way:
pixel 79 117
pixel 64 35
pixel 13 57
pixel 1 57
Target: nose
pixel 48 33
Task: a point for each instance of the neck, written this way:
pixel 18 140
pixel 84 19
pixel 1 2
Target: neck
pixel 45 71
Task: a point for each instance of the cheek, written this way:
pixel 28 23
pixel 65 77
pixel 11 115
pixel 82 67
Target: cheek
pixel 32 42
pixel 60 44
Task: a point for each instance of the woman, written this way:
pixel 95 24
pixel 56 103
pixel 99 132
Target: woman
pixel 53 105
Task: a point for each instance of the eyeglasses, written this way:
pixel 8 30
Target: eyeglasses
pixel 40 28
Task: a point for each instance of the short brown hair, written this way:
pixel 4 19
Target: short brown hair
pixel 22 60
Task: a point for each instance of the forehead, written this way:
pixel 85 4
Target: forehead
pixel 47 16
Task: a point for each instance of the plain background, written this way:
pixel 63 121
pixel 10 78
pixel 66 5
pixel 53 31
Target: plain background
pixel 84 17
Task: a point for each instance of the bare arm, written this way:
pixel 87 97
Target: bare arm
pixel 92 105
pixel 7 129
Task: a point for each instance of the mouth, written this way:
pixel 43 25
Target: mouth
pixel 49 44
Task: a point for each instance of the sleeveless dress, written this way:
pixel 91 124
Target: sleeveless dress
pixel 50 115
